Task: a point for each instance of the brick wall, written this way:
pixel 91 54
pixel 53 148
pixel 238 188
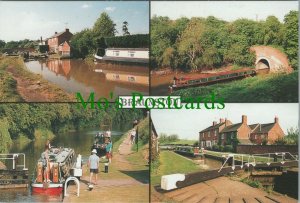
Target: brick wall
pixel 261 149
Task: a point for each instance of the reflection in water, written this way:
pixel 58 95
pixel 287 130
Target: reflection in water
pixel 76 76
pixel 80 141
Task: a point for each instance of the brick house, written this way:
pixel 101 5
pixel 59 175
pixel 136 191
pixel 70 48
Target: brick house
pixel 226 133
pixel 210 136
pixel 64 49
pixel 59 39
pixel 266 132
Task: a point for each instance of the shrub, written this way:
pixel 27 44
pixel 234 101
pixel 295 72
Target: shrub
pixel 216 148
pixel 129 41
pixel 228 148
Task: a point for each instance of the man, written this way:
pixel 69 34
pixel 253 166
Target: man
pixel 108 149
pixel 93 164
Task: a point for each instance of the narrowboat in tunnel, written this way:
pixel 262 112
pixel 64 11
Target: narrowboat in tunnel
pixel 185 82
pixel 61 161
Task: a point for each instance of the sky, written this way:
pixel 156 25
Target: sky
pixel 226 10
pixel 21 20
pixel 187 123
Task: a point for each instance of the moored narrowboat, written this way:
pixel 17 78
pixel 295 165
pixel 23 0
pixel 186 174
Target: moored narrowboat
pixel 185 82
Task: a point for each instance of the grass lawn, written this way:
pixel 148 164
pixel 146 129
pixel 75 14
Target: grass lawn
pixel 169 163
pixel 263 88
pixel 189 142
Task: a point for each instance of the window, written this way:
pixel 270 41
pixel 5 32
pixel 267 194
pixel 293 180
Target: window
pixel 208 133
pixel 116 76
pixel 131 78
pixel 131 53
pixel 222 136
pixel 232 135
pixel 116 53
pixel 215 132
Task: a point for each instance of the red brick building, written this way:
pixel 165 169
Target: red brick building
pixel 64 49
pixel 210 136
pixel 59 39
pixel 226 133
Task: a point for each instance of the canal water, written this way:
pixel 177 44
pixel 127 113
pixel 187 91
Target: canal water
pixel 74 75
pixel 81 141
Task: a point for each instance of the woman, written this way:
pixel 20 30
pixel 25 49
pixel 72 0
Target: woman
pixel 108 149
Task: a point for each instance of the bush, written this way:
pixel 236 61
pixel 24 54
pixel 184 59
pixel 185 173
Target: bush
pixel 228 148
pixel 129 41
pixel 221 148
pixel 255 184
pixel 216 148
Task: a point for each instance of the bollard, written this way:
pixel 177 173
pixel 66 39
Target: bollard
pixel 106 168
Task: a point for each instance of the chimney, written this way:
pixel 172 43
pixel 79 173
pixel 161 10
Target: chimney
pixel 67 30
pixel 225 122
pixel 214 123
pixel 41 39
pixel 276 119
pixel 221 120
pixel 244 119
pixel 55 33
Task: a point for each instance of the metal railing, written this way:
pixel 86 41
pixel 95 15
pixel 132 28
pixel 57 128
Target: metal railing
pixel 15 159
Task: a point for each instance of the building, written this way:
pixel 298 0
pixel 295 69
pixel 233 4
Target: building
pixel 227 133
pixel 59 39
pixel 268 132
pixel 211 136
pixel 64 49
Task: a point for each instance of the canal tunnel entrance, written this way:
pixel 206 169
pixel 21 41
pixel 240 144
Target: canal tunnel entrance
pixel 263 66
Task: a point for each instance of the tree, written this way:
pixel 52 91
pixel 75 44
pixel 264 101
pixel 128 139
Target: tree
pixel 290 41
pixel 104 26
pixel 273 31
pixel 2 44
pixel 125 28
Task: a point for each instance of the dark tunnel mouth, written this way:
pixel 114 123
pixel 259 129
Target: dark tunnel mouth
pixel 265 62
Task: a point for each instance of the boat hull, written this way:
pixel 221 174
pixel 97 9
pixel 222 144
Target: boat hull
pixel 51 189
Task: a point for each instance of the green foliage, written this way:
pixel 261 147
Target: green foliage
pixel 271 88
pixel 164 138
pixel 125 28
pixel 228 148
pixel 104 26
pixel 5 140
pixel 290 139
pixel 252 183
pixel 290 42
pixel 143 131
pixel 128 41
pixel 201 43
pixel 43 48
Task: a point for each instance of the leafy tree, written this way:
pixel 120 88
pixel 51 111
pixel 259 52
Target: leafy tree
pixel 290 42
pixel 2 44
pixel 125 28
pixel 104 26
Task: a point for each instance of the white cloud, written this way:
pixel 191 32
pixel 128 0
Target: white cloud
pixel 85 6
pixel 111 9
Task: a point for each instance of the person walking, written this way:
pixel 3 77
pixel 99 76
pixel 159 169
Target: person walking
pixel 93 164
pixel 108 149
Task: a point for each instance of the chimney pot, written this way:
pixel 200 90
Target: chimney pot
pixel 67 30
pixel 244 119
pixel 276 119
pixel 55 32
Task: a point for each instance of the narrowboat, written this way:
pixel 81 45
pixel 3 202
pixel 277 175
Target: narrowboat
pixel 185 82
pixel 61 161
pixel 127 55
pixel 188 151
pixel 100 142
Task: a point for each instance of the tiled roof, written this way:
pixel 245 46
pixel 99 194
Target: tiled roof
pixel 253 126
pixel 58 34
pixel 264 128
pixel 231 128
pixel 212 127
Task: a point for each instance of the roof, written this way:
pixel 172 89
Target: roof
pixel 264 128
pixel 231 128
pixel 212 127
pixel 58 34
pixel 253 126
pixel 129 49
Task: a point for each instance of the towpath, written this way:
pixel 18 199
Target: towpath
pixel 127 180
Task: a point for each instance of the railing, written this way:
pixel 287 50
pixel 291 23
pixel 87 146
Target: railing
pixel 14 158
pixel 253 159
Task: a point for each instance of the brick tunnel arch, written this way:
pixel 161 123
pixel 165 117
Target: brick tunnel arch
pixel 263 64
pixel 269 59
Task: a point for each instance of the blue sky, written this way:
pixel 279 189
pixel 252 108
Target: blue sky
pixel 226 10
pixel 20 20
pixel 187 123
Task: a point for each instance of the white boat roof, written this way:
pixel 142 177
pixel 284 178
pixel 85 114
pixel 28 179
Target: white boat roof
pixel 60 154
